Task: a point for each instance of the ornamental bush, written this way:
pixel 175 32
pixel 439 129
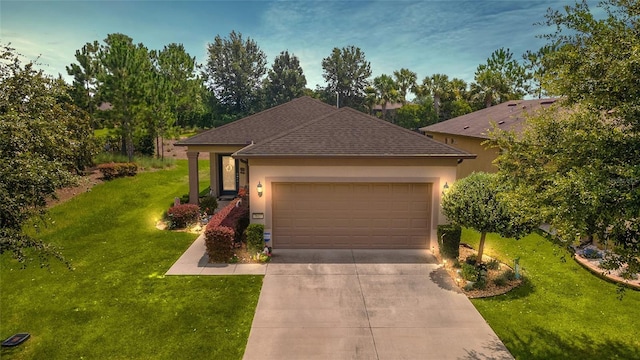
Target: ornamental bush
pixel 255 238
pixel 208 205
pixel 115 170
pixel 180 216
pixel 237 219
pixel 449 240
pixel 225 229
pixel 219 242
pixel 469 272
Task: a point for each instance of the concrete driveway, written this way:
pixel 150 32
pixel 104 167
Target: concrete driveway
pixel 365 304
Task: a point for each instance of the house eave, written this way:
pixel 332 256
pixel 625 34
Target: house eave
pixel 355 156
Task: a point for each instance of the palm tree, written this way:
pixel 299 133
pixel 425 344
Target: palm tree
pixel 459 88
pixel 370 98
pixel 489 87
pixel 387 92
pixel 438 86
pixel 405 79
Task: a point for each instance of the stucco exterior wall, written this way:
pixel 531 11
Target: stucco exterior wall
pixel 267 171
pixel 484 161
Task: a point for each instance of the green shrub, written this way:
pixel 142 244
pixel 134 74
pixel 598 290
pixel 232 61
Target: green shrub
pixel 471 259
pixel 500 281
pixel 208 205
pixel 255 238
pixel 115 170
pixel 481 283
pixel 449 240
pixel 493 264
pixel 180 216
pixel 219 242
pixel 469 272
pixel 507 275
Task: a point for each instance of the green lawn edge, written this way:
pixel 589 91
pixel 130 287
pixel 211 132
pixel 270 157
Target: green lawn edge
pixel 562 311
pixel 116 303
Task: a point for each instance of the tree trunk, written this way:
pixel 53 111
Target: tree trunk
pixel 483 236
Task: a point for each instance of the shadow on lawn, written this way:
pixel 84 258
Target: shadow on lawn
pixel 547 345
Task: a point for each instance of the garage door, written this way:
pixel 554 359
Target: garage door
pixel 351 215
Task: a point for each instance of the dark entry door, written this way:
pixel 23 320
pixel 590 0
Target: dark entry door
pixel 229 177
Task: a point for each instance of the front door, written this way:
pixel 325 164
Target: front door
pixel 229 177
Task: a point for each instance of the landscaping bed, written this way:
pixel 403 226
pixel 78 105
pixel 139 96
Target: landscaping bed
pixel 497 283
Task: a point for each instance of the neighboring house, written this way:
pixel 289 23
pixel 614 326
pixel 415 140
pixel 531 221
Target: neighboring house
pixel 468 132
pixel 391 109
pixel 321 177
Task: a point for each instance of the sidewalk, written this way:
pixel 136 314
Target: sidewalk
pixel 195 261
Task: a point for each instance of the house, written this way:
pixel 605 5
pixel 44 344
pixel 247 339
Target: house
pixel 468 132
pixel 321 177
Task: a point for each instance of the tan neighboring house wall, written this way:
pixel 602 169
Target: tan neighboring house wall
pixel 469 131
pixel 483 162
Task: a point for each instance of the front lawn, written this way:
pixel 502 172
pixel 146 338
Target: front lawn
pixel 562 311
pixel 116 303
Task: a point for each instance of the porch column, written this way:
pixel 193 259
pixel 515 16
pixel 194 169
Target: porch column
pixel 213 173
pixel 194 186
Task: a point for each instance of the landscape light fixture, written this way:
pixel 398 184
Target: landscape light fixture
pixel 445 188
pixel 260 189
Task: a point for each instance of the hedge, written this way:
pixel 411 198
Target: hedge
pixel 449 240
pixel 219 242
pixel 225 229
pixel 115 170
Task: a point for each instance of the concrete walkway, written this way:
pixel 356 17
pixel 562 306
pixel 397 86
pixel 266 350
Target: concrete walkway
pixel 356 304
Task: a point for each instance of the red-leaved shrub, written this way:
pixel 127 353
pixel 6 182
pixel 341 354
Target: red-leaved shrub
pixel 179 216
pixel 115 170
pixel 219 242
pixel 225 229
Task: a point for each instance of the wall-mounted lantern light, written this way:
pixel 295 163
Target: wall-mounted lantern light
pixel 445 188
pixel 260 189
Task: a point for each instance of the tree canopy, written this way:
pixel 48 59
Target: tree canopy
pixel 235 69
pixel 576 166
pixel 475 202
pixel 285 80
pixel 347 73
pixel 44 141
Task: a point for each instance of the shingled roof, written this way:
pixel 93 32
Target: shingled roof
pixel 509 115
pixel 306 127
pixel 263 125
pixel 350 133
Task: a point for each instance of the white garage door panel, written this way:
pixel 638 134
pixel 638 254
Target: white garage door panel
pixel 351 215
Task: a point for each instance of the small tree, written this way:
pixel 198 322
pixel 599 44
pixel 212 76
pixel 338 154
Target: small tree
pixel 475 202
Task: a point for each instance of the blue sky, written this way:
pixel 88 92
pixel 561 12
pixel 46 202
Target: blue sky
pixel 451 37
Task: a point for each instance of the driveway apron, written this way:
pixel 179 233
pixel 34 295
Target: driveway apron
pixel 365 304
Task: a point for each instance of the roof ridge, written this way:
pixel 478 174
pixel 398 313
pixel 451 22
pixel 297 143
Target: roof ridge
pixel 293 129
pixel 250 117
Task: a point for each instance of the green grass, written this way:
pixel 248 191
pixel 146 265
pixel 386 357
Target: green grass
pixel 104 132
pixel 116 303
pixel 562 311
pixel 143 162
